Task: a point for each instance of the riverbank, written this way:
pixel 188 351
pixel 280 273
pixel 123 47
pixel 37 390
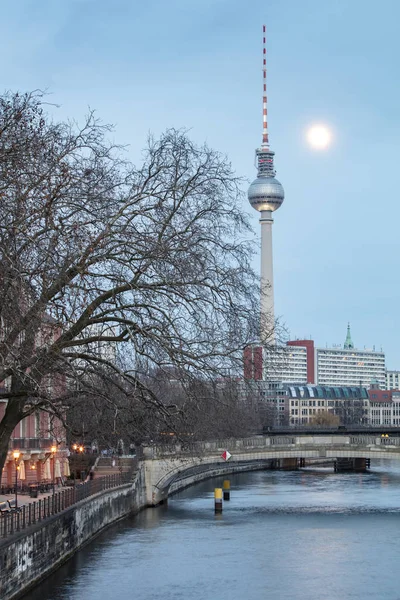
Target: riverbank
pixel 30 555
pixel 307 535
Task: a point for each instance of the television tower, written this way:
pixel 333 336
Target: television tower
pixel 266 195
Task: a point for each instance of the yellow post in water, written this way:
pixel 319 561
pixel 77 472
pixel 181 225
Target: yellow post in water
pixel 218 500
pixel 227 489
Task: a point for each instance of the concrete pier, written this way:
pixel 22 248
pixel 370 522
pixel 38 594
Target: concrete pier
pixel 360 465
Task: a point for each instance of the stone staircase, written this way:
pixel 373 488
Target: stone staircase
pixel 123 464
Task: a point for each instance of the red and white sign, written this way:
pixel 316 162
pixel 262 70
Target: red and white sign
pixel 226 455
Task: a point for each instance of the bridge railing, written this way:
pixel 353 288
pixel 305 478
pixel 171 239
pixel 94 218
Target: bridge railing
pixel 389 441
pixel 260 442
pixel 283 441
pixel 253 442
pixel 369 440
pixel 363 440
pixel 200 448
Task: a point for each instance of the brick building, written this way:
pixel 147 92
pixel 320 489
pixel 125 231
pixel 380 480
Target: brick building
pixel 39 439
pixel 41 444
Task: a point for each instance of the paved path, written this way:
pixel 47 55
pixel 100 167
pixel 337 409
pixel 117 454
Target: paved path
pixel 26 499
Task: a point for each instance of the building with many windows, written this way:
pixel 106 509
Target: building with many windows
pixel 292 365
pixel 300 362
pixel 393 380
pixel 350 367
pixel 290 404
pixel 348 404
pixel 384 407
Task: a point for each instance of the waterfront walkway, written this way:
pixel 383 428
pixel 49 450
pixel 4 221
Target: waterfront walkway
pixel 24 498
pixel 34 510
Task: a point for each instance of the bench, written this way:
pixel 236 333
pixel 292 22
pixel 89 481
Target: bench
pixel 4 508
pixel 13 506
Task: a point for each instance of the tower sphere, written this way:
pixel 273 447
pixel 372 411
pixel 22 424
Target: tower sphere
pixel 266 193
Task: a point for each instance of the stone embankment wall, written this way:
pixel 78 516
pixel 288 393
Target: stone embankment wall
pixel 217 471
pixel 31 555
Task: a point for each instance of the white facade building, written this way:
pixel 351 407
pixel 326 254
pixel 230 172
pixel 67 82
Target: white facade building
pixel 393 380
pixel 289 366
pixel 304 364
pixel 350 367
pixel 384 407
pixel 348 404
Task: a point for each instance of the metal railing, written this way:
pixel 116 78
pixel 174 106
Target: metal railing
pixel 38 511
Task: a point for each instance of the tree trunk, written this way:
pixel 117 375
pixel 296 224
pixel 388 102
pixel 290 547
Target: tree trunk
pixel 12 417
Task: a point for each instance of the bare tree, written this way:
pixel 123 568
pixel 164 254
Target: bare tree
pixel 96 251
pixel 351 411
pixel 208 410
pixel 326 418
pixel 108 409
pixel 191 410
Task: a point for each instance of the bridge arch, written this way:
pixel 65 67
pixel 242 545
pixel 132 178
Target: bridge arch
pixel 165 467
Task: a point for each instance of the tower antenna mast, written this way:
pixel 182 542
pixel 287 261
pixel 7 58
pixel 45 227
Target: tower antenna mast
pixel 265 141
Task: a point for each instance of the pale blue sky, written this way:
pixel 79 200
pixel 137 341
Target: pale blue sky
pixel 150 65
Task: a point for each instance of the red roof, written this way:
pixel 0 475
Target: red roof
pixel 380 395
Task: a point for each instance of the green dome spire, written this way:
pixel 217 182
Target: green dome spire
pixel 348 345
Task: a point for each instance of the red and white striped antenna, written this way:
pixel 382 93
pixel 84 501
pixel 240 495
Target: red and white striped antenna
pixel 265 141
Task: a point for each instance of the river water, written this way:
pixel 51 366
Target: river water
pixel 302 535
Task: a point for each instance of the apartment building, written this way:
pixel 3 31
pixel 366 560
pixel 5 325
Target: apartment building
pixel 393 380
pixel 300 362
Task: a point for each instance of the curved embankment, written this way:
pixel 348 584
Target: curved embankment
pixel 27 557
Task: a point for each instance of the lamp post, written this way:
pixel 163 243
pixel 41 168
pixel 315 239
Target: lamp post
pixel 75 449
pixel 81 449
pixel 16 455
pixel 53 453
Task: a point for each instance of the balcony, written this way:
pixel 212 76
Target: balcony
pixel 30 444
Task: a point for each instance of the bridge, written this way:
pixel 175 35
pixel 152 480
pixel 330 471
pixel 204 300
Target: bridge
pixel 168 468
pixel 374 430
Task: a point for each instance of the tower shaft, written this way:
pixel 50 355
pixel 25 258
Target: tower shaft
pixel 267 276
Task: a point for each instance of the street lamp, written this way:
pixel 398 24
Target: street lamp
pixel 53 452
pixel 16 455
pixel 81 449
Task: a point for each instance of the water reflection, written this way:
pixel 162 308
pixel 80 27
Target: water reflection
pixel 306 535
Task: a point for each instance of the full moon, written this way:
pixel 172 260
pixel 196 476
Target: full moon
pixel 319 137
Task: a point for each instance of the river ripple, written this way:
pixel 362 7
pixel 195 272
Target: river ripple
pixel 305 535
